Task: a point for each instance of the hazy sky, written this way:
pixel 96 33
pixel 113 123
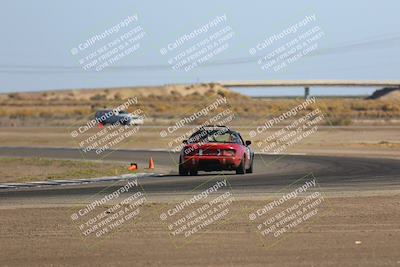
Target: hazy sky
pixel 361 41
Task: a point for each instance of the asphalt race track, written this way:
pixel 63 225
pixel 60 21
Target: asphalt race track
pixel 271 173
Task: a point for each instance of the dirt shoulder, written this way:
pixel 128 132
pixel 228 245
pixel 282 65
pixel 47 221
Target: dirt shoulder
pixel 351 231
pixel 39 169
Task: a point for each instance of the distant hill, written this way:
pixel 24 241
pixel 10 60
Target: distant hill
pixel 386 94
pixel 120 93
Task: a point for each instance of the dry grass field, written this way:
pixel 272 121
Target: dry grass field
pixel 39 169
pixel 165 104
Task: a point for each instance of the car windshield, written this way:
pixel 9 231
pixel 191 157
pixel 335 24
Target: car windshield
pixel 213 136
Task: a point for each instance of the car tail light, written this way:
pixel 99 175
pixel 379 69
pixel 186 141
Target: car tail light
pixel 229 152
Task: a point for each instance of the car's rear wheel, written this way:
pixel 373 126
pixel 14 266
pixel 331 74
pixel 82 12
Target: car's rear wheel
pixel 241 168
pixel 250 169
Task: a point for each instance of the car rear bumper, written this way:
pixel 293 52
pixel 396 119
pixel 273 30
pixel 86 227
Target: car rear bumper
pixel 211 163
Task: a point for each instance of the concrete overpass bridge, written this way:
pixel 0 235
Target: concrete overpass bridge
pixel 307 84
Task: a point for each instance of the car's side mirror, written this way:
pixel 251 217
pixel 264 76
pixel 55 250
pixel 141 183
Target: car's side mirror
pixel 248 142
pixel 185 142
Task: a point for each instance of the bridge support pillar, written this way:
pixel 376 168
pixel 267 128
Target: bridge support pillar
pixel 306 92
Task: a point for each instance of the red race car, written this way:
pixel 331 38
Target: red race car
pixel 215 148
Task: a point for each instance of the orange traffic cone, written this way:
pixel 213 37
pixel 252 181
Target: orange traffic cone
pixel 151 163
pixel 133 167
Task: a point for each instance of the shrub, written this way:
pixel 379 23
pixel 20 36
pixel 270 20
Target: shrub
pixel 98 97
pixel 339 121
